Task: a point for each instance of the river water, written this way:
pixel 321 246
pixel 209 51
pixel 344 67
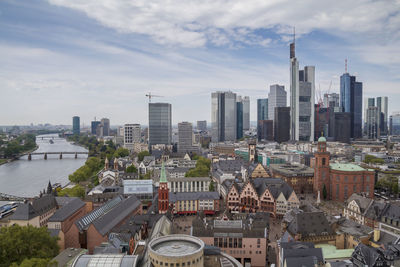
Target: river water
pixel 25 177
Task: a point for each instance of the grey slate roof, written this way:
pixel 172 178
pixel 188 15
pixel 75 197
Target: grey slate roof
pixel 361 201
pixel 62 201
pixel 274 185
pixel 180 196
pixel 67 210
pixel 39 206
pixel 308 223
pixel 301 261
pixel 299 254
pixel 229 165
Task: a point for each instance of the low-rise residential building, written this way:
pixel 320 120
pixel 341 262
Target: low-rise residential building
pixel 262 194
pixel 245 239
pixel 299 177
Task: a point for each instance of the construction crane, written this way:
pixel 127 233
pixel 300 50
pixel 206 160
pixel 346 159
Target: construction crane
pixel 150 95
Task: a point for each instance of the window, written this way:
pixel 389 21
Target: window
pixel 338 178
pixel 346 179
pixel 354 188
pixel 323 161
pixel 337 191
pixel 345 192
pixel 368 179
pixel 355 179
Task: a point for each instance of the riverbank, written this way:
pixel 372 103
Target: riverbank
pixel 4 161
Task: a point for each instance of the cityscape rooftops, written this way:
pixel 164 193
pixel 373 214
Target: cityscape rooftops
pixel 67 210
pixel 292 170
pixel 347 167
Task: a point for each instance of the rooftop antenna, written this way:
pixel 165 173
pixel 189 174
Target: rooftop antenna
pixel 294 34
pixel 345 65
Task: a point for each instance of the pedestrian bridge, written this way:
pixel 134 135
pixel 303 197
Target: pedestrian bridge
pixel 7 197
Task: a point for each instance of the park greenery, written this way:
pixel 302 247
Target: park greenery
pixel 26 246
pixel 389 183
pixel 131 169
pixel 142 154
pixel 18 145
pixel 372 159
pixel 92 166
pixel 202 168
pixel 76 191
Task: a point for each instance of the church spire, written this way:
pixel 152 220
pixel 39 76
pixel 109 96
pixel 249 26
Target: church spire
pixel 163 176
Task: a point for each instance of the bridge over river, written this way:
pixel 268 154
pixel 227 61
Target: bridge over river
pixel 55 153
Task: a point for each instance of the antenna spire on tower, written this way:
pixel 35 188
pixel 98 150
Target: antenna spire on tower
pixel 345 65
pixel 294 34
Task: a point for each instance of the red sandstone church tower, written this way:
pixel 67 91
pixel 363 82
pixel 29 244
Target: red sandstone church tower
pixel 163 192
pixel 321 170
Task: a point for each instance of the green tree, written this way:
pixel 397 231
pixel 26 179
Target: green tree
pixel 131 169
pixel 33 262
pixel 202 168
pixel 121 152
pixel 142 154
pixel 19 243
pixel 324 192
pixel 211 187
pixel 76 191
pixel 373 160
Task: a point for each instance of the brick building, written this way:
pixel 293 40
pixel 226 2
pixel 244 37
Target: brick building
pixel 299 177
pixel 338 181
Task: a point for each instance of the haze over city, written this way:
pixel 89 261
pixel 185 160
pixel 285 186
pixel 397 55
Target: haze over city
pixel 96 58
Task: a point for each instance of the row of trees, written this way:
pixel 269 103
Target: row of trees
pixel 389 183
pixel 26 246
pixel 202 168
pixel 372 159
pixel 21 144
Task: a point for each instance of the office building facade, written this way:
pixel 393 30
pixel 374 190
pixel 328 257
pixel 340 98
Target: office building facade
pixel 246 113
pixel 373 131
pixel 76 125
pixel 185 137
pixel 382 105
pixel 395 124
pixel 351 93
pixel 132 134
pixel 265 130
pixel 277 97
pixel 94 126
pixel 282 124
pixel 202 125
pixel 332 99
pixel 302 94
pixel 262 109
pixel 342 127
pixel 239 119
pixel 160 124
pixel 223 116
pixel 105 123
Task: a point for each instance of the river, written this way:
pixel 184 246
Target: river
pixel 27 178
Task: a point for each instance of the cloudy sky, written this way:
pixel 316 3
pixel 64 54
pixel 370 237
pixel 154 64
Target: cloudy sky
pixel 60 58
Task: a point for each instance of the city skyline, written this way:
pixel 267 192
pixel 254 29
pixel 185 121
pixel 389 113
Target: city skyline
pixel 62 58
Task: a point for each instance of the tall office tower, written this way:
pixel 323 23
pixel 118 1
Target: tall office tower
pixel 132 134
pixel 76 125
pixel 262 109
pixel 265 130
pixel 302 94
pixel 277 97
pixel 351 102
pixel 282 124
pixel 373 122
pixel 185 137
pixel 106 126
pixel 223 116
pixel 321 121
pixel 202 125
pixel 239 119
pixel 331 99
pixel 246 113
pixel 94 125
pixel 160 124
pixel 368 102
pixel 382 104
pixel 395 124
pixel 342 127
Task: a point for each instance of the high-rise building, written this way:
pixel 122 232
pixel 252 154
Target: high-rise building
pixel 342 127
pixel 265 130
pixel 382 105
pixel 373 122
pixel 202 125
pixel 331 99
pixel 185 137
pixel 302 94
pixel 351 102
pixel 395 124
pixel 246 113
pixel 282 124
pixel 321 121
pixel 277 97
pixel 132 134
pixel 262 109
pixel 239 119
pixel 106 126
pixel 223 116
pixel 94 125
pixel 76 125
pixel 160 124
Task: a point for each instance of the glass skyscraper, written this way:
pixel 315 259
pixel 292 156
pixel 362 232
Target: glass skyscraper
pixel 239 117
pixel 160 124
pixel 262 109
pixel 76 126
pixel 351 93
pixel 277 97
pixel 223 116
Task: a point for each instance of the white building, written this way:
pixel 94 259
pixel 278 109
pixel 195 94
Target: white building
pixel 132 135
pixel 277 97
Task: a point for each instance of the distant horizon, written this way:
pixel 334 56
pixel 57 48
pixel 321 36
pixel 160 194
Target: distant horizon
pixel 95 58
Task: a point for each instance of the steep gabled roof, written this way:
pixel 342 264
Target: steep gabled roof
pixel 310 223
pixel 67 210
pixel 38 207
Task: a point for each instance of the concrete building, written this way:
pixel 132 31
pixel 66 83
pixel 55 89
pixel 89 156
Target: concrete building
pixel 245 239
pixel 282 124
pixel 299 177
pixel 160 124
pixel 338 181
pixel 202 125
pixel 331 100
pixel 302 100
pixel 277 97
pixel 185 137
pixel 223 116
pixel 246 113
pixel 132 135
pixel 189 184
pixel 105 123
pixel 351 93
pixel 76 126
